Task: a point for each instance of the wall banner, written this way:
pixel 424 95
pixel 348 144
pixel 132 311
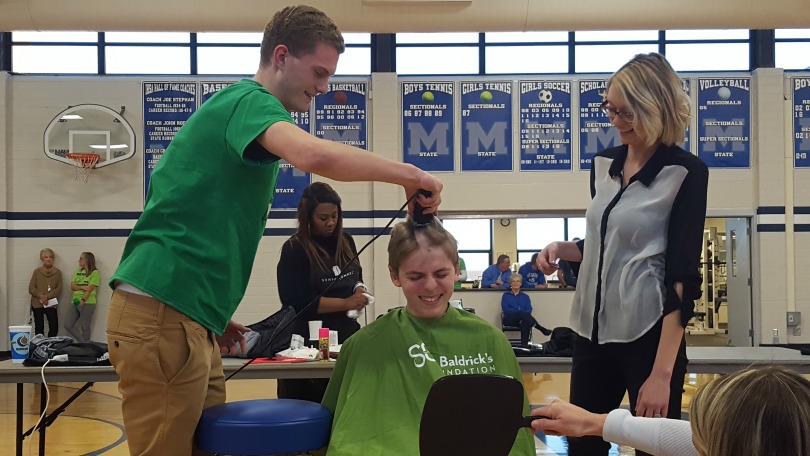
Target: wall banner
pixel 545 125
pixel 486 126
pixel 427 124
pixel 340 113
pixel 801 121
pixel 167 105
pixel 724 122
pixel 596 132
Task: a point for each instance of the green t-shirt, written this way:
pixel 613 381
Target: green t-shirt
pixel 385 371
pixel 206 209
pixel 81 278
pixel 461 267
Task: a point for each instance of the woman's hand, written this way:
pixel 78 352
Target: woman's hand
pixel 547 258
pixel 356 301
pixel 233 335
pixel 43 299
pixel 653 397
pixel 562 418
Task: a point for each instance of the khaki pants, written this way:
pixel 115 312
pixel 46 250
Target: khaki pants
pixel 169 369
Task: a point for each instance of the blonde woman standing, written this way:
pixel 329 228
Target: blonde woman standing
pixel 45 284
pixel 639 274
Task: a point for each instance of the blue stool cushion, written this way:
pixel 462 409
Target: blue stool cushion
pixel 264 426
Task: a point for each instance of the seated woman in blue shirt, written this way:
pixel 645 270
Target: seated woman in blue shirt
pixel 517 310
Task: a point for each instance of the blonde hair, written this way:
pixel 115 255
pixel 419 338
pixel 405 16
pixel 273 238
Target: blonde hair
pixel 764 412
pixel 403 241
pixel 655 94
pixel 44 251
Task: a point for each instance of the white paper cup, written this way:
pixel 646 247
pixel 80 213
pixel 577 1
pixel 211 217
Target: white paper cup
pixel 20 337
pixel 333 339
pixel 314 326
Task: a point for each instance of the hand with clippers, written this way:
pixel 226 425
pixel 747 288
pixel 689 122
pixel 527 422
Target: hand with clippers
pixel 421 215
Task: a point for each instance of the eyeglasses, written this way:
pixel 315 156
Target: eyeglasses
pixel 612 112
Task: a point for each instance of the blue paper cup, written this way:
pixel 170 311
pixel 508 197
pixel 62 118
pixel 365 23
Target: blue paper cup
pixel 20 337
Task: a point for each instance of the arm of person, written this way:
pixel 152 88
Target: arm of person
pixel 507 303
pixel 32 285
pixel 348 164
pixel 660 436
pixel 541 280
pixel 561 277
pixel 488 278
pixel 75 287
pixel 57 290
pixel 653 397
pixel 566 250
pixel 292 276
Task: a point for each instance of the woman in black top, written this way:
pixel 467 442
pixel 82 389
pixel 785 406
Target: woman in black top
pixel 316 257
pixel 639 276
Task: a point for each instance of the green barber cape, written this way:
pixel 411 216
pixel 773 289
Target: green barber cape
pixel 384 372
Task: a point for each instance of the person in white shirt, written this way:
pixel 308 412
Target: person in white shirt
pixel 638 277
pixel 762 412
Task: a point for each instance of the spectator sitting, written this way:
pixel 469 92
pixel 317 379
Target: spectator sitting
pixel 517 310
pixel 497 275
pixel 533 277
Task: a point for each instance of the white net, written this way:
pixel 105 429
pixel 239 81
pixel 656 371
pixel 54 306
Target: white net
pixel 84 163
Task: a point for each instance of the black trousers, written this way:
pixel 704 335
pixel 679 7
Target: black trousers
pixel 524 320
pixel 600 375
pixel 39 320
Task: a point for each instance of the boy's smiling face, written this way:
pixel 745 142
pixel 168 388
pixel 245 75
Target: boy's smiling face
pixel 426 277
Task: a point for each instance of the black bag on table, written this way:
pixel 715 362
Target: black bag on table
pixel 275 333
pixel 42 348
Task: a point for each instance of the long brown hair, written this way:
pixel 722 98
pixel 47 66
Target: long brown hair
pixel 89 262
pixel 315 194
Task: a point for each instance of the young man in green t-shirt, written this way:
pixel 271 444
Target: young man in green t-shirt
pixel 186 264
pixel 384 372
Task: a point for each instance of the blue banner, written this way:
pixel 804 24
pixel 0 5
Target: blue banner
pixel 596 132
pixel 166 107
pixel 545 125
pixel 340 114
pixel 292 181
pixel 724 122
pixel 427 125
pixel 686 143
pixel 208 89
pixel 801 121
pixel 486 126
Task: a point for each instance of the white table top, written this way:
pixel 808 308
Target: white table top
pixel 709 360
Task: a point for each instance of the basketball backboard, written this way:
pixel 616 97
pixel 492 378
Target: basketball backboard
pixel 90 128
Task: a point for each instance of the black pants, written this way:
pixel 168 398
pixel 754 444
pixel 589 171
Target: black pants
pixel 525 321
pixel 600 375
pixel 39 320
pixel 306 389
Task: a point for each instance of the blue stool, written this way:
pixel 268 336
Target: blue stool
pixel 264 427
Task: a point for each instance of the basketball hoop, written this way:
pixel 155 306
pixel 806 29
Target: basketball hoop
pixel 84 162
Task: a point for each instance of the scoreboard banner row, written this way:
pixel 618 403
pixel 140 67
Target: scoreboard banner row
pixel 542 120
pixel 551 124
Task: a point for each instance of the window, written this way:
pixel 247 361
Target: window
pixel 437 60
pixel 148 60
pixel 792 50
pixel 474 238
pixel 159 53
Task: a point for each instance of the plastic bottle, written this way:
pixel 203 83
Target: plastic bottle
pixel 323 343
